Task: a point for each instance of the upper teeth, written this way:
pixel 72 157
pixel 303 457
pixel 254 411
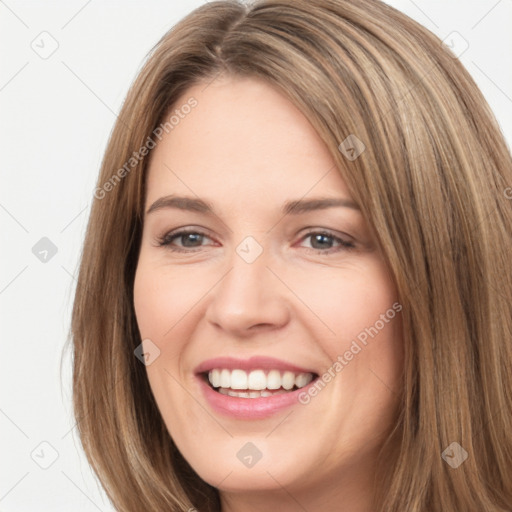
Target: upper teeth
pixel 257 379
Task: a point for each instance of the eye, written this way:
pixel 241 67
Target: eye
pixel 187 238
pixel 327 242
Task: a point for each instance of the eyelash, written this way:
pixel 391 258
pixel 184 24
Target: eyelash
pixel 166 240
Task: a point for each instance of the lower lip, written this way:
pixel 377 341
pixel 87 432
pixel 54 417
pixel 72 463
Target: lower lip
pixel 250 408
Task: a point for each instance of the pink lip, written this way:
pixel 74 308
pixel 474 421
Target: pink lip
pixel 253 363
pixel 249 408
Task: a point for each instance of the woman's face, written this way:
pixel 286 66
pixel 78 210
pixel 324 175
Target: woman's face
pixel 275 282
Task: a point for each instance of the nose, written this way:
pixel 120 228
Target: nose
pixel 248 299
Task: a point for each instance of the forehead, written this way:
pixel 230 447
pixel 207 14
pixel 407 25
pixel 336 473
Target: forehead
pixel 243 139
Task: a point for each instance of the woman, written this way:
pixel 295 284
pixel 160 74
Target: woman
pixel 295 290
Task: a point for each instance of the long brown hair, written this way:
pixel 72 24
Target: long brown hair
pixel 432 183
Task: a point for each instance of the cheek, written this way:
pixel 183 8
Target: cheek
pixel 162 299
pixel 355 316
pixel 164 307
pixel 348 302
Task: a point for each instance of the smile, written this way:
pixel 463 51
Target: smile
pixel 256 383
pixel 254 388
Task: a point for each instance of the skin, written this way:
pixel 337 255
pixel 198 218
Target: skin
pixel 247 150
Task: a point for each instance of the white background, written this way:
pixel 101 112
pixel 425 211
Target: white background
pixel 56 116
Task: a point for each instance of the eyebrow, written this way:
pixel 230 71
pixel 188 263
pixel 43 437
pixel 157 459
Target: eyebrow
pixel 295 207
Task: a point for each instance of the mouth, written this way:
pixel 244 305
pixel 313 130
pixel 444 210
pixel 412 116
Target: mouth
pixel 258 383
pixel 254 388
